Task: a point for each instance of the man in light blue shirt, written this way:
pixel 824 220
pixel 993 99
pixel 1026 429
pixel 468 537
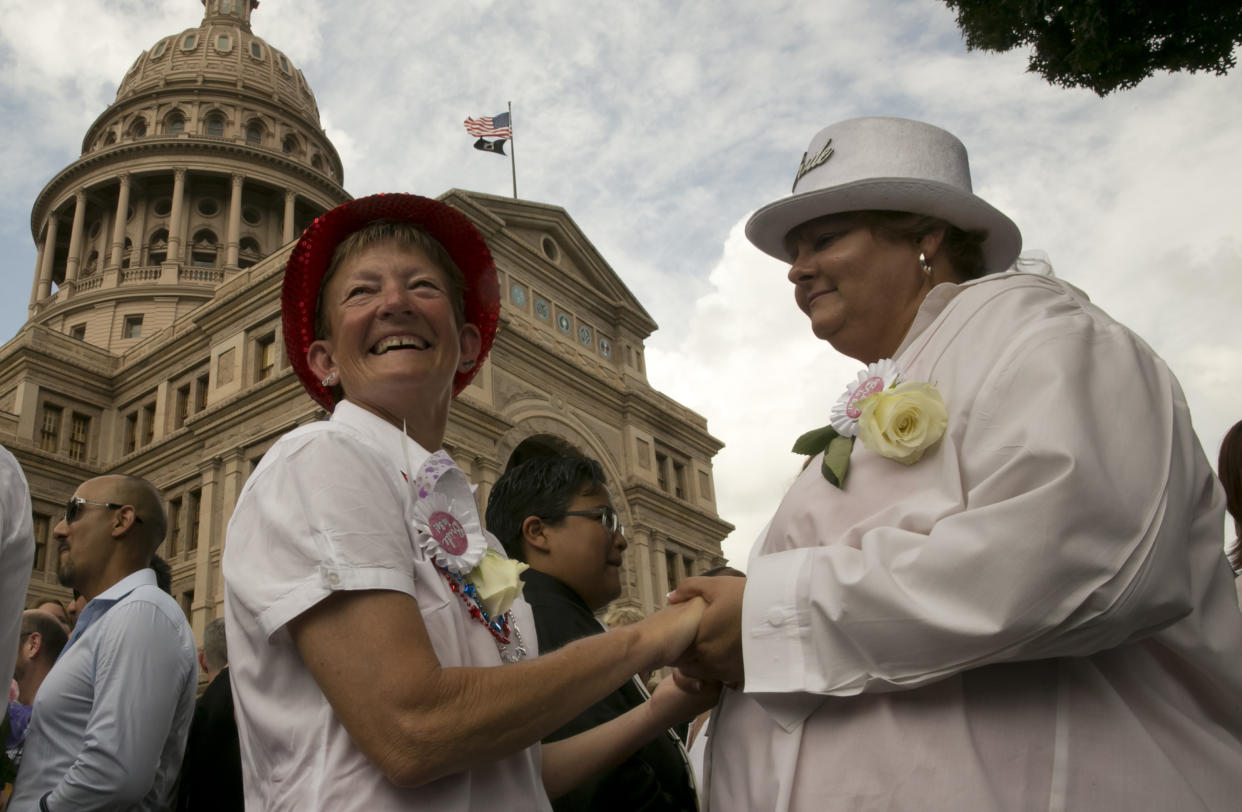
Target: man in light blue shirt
pixel 111 718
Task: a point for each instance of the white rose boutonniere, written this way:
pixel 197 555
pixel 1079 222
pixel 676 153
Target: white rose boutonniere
pixel 497 582
pixel 901 423
pixel 897 419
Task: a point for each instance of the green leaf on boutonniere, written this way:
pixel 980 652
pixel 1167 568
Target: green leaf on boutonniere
pixel 836 450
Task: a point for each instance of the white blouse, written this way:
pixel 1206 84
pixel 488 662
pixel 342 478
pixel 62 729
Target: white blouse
pixel 327 509
pixel 1036 615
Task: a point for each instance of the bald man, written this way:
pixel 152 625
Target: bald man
pixel 111 718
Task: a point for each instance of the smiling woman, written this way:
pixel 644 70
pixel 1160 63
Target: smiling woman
pixel 359 578
pixel 999 587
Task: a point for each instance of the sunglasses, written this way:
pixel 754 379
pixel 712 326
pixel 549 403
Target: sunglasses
pixel 607 517
pixel 76 504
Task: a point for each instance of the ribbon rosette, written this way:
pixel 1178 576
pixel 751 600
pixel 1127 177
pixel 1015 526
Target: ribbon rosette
pixel 898 420
pixel 446 518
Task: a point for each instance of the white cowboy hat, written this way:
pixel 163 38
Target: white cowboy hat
pixel 885 164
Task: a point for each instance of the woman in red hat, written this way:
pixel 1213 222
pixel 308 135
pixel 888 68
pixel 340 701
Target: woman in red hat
pixel 369 614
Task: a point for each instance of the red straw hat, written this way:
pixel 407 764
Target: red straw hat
pixel 309 261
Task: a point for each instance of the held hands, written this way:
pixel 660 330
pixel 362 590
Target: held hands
pixel 716 653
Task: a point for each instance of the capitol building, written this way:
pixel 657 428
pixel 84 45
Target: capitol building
pixel 153 343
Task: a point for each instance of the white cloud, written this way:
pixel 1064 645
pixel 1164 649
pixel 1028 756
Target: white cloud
pixel 657 125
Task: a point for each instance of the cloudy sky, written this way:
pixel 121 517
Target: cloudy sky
pixel 659 126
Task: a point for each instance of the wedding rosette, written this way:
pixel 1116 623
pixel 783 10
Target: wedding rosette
pixel 446 517
pixel 875 378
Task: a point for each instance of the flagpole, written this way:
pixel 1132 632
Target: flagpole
pixel 512 150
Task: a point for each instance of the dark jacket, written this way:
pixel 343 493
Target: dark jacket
pixel 656 777
pixel 211 774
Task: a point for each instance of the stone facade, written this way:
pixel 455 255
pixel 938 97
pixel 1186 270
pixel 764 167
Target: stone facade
pixel 153 345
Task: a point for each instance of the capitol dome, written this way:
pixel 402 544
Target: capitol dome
pixel 211 158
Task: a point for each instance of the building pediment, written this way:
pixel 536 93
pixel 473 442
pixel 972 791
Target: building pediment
pixel 543 246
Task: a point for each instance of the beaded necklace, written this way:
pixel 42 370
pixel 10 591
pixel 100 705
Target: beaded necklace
pixel 511 650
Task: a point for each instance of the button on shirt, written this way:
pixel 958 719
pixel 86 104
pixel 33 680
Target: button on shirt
pixel 111 718
pixel 329 509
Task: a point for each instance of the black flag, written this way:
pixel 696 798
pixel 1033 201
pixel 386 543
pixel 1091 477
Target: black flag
pixel 484 145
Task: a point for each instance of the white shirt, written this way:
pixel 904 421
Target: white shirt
pixel 1036 616
pixel 16 558
pixel 111 718
pixel 328 509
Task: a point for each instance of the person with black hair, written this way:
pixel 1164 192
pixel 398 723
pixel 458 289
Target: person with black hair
pixel 555 514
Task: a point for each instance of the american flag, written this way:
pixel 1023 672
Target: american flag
pixel 490 126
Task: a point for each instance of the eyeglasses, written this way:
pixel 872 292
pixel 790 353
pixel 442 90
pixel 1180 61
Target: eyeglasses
pixel 607 517
pixel 75 505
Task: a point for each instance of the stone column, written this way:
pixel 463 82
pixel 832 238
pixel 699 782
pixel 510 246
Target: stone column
pixel 659 571
pixel 38 277
pixel 234 478
pixel 640 545
pixel 118 226
pixel 49 255
pixel 74 263
pixel 174 217
pixel 286 235
pixel 101 243
pixel 204 602
pixel 234 233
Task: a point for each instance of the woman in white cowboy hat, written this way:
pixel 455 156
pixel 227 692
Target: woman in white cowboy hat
pixel 999 584
pixel 375 634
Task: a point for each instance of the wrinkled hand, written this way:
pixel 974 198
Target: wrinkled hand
pixel 670 631
pixel 679 699
pixel 717 651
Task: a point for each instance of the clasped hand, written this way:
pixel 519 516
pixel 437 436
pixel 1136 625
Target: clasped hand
pixel 715 655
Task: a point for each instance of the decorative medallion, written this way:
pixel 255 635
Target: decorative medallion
pixel 562 322
pixel 518 294
pixel 542 309
pixel 605 347
pixel 584 335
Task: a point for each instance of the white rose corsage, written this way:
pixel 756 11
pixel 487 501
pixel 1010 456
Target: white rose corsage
pixel 448 530
pixel 897 419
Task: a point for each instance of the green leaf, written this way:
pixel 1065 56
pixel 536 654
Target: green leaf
pixel 837 460
pixel 815 441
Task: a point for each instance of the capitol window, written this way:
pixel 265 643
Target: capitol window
pixel 132 327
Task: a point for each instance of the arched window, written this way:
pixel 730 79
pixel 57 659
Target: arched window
pixel 248 252
pixel 204 249
pixel 290 145
pixel 92 264
pixel 215 124
pixel 138 129
pixel 157 252
pixel 129 250
pixel 316 161
pixel 175 124
pixel 110 138
pixel 254 133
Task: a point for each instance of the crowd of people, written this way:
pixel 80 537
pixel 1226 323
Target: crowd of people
pixel 981 593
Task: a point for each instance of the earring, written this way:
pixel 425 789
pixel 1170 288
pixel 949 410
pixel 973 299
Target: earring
pixel 924 264
pixel 328 381
pixel 467 364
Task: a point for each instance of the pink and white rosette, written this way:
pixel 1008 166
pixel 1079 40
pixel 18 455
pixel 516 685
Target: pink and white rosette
pixel 446 517
pixel 875 378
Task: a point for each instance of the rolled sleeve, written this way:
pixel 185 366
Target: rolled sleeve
pixel 322 516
